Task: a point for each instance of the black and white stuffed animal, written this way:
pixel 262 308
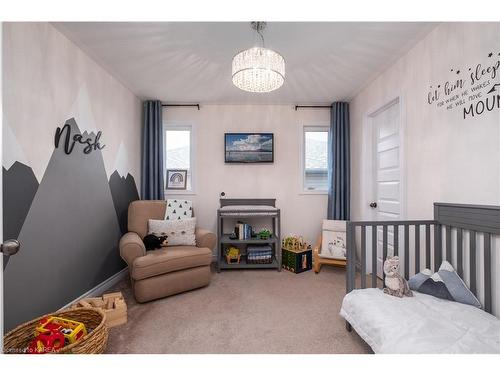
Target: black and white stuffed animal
pixel 153 242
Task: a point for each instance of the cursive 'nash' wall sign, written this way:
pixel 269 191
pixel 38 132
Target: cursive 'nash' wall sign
pixel 475 91
pixel 91 143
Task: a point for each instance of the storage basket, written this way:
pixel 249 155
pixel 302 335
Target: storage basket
pixel 296 261
pixel 17 340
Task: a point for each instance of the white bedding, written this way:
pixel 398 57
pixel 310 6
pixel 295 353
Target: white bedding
pixel 419 324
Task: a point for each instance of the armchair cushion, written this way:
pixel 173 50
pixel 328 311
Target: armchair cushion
pixel 205 238
pixel 131 247
pixel 139 212
pixel 170 259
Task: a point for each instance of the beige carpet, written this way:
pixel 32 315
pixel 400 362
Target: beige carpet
pixel 252 311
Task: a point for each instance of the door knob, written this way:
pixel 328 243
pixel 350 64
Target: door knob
pixel 10 247
pixel 373 205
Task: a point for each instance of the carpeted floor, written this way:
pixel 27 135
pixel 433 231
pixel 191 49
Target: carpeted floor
pixel 252 311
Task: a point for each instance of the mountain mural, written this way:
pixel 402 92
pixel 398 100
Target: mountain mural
pixel 19 188
pixel 123 191
pixel 69 238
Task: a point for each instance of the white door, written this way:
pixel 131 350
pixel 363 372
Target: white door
pixel 388 172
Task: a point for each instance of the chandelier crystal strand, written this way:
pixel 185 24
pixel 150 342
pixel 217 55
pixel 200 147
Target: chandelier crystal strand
pixel 258 69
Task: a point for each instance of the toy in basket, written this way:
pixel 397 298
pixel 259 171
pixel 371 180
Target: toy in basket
pixel 233 255
pixel 112 304
pixel 55 332
pixel 296 254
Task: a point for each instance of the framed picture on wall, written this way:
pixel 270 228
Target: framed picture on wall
pixel 249 147
pixel 176 179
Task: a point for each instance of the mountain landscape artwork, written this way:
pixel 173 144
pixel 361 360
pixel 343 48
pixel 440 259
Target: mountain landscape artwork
pixel 249 148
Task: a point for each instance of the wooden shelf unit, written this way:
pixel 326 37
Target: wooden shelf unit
pixel 223 238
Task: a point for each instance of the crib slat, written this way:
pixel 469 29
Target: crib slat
pixel 460 262
pixel 428 246
pixel 487 272
pixel 396 239
pixel 448 243
pixel 384 242
pixel 437 246
pixel 472 261
pixel 363 257
pixel 417 248
pixel 374 256
pixel 407 251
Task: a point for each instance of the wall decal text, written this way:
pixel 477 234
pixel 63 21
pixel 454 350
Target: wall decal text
pixel 475 91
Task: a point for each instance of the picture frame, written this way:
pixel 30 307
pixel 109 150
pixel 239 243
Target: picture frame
pixel 248 148
pixel 176 179
pixel 334 238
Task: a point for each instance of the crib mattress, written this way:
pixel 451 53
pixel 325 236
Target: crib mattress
pixel 419 324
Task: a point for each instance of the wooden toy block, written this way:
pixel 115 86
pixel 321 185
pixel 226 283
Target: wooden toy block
pixel 113 305
pixel 85 303
pixel 115 295
pixel 109 304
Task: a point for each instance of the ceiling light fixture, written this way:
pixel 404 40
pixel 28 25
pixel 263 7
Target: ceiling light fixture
pixel 258 69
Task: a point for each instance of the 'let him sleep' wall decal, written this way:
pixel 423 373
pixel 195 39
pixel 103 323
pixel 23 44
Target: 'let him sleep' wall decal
pixel 475 90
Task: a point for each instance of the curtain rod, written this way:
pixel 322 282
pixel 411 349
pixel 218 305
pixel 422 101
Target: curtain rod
pixel 181 105
pixel 312 106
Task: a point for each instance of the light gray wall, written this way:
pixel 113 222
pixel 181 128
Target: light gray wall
pixel 302 214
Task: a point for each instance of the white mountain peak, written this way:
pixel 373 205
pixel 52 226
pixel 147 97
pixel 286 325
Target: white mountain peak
pixel 81 110
pixel 12 149
pixel 121 161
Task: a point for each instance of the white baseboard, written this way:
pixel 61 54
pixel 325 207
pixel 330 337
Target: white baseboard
pixel 102 287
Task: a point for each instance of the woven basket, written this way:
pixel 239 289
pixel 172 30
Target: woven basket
pixel 17 340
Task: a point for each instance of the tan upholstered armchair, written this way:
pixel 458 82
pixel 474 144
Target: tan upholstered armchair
pixel 160 273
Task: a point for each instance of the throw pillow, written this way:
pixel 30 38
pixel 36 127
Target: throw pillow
pixel 178 209
pixel 444 284
pixel 180 232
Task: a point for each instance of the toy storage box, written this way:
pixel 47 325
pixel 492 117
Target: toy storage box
pixel 112 304
pixel 296 261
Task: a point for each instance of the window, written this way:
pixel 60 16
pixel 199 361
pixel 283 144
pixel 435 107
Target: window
pixel 315 159
pixel 178 151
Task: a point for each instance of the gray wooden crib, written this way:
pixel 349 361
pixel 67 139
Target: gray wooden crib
pixel 427 243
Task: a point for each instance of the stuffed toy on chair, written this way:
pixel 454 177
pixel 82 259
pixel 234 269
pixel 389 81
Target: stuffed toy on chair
pixel 153 242
pixel 395 284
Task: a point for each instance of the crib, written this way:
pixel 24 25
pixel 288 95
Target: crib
pixel 452 235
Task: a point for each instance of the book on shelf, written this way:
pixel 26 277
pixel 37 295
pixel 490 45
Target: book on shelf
pixel 243 231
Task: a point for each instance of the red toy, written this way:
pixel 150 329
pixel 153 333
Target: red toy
pixel 46 342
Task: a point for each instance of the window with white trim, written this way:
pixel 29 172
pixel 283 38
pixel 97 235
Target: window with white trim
pixel 179 151
pixel 315 159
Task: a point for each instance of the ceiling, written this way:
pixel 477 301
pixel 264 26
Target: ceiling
pixel 190 62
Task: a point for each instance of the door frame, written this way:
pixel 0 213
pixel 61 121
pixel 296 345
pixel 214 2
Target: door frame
pixel 370 156
pixel 369 161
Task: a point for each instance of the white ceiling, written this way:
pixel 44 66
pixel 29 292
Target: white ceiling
pixel 184 62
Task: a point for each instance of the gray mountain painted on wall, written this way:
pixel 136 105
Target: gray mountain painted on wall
pixel 19 188
pixel 123 191
pixel 69 239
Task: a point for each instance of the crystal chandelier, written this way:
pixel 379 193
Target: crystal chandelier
pixel 258 69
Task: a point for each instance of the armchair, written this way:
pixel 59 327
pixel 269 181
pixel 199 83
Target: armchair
pixel 161 273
